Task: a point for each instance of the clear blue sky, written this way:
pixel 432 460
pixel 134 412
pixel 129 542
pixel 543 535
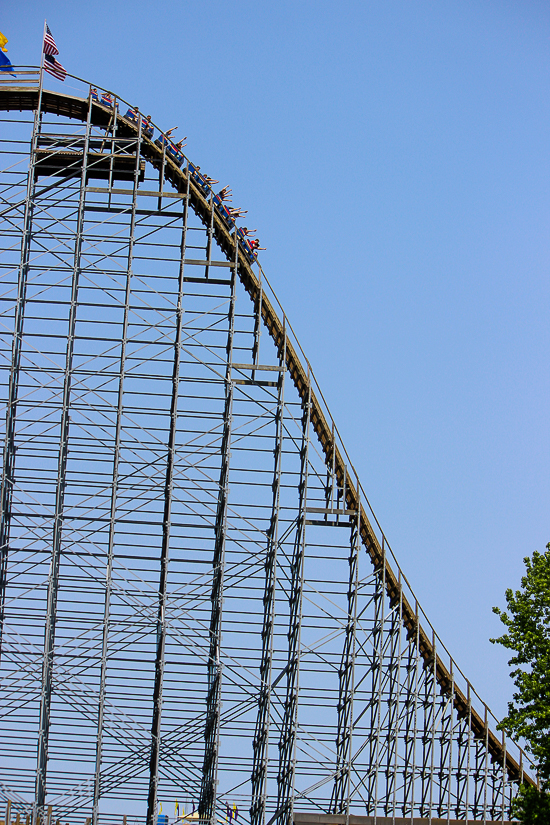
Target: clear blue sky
pixel 394 156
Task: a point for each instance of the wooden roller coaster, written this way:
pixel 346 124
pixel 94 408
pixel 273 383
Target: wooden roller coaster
pixel 117 162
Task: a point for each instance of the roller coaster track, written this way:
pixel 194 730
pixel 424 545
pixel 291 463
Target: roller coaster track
pixel 26 99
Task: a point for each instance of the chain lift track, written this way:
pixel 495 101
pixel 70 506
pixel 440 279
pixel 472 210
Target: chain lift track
pixel 196 599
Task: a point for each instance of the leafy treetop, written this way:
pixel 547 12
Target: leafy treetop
pixel 527 623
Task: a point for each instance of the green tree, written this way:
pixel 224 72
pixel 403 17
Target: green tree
pixel 527 622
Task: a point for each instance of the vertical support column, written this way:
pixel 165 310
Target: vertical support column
pixel 331 476
pixel 210 235
pixel 208 792
pixel 497 789
pixel 433 728
pixel 446 750
pixel 341 790
pixel 161 178
pixel 486 764
pixel 112 141
pixel 479 779
pixel 376 692
pixel 8 464
pixel 53 582
pixel 428 734
pixel 411 719
pixel 504 777
pixel 462 768
pixel 114 483
pixel 391 683
pixel 258 326
pixel 261 735
pixel 395 723
pixel 166 529
pixel 468 761
pixel 287 739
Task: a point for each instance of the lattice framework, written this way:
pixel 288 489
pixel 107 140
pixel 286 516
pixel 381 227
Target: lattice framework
pixel 197 601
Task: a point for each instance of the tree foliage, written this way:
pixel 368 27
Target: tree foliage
pixel 531 806
pixel 527 622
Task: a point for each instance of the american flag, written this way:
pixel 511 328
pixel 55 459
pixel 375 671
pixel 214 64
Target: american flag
pixel 54 67
pixel 49 42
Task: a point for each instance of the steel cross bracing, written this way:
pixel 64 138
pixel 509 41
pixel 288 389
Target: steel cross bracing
pixel 197 601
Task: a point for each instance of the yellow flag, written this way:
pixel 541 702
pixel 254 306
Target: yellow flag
pixel 3 41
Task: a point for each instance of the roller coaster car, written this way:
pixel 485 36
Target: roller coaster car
pixel 131 116
pixel 198 178
pixel 146 128
pixel 250 253
pixel 247 249
pixel 170 150
pixel 224 213
pixel 106 100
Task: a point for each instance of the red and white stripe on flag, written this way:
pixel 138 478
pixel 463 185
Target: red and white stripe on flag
pixel 54 67
pixel 49 42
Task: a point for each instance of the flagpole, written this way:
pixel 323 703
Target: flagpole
pixel 41 76
pixel 41 80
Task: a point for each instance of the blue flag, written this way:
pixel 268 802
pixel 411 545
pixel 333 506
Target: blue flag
pixel 5 64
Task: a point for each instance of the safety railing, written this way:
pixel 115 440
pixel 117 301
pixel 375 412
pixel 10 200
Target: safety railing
pixel 21 76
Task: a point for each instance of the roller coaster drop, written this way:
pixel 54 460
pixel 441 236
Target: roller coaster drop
pixel 197 602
